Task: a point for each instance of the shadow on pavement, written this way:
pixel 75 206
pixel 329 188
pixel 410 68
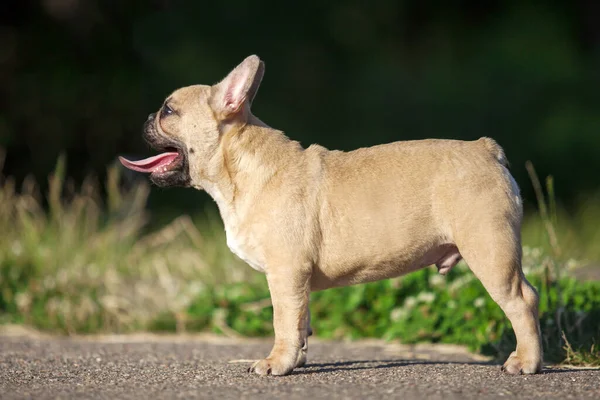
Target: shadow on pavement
pixel 378 364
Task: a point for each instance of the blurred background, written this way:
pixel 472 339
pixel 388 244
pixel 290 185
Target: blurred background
pixel 78 78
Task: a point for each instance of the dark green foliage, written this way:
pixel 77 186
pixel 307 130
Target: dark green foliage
pixel 82 77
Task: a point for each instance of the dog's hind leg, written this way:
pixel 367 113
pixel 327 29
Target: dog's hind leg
pixel 493 252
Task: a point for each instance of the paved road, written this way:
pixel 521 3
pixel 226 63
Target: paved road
pixel 208 367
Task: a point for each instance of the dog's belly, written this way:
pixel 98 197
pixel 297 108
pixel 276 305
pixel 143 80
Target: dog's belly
pixel 356 270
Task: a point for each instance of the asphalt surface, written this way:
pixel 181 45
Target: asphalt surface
pixel 133 367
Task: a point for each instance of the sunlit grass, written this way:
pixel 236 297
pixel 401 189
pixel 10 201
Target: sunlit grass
pixel 577 231
pixel 83 264
pixel 581 357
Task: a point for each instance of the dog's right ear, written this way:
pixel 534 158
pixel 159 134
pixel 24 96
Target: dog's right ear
pixel 230 96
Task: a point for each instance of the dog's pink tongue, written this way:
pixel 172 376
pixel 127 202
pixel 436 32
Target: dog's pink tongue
pixel 150 164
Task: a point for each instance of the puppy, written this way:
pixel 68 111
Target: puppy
pixel 312 219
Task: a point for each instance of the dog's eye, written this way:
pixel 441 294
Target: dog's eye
pixel 166 110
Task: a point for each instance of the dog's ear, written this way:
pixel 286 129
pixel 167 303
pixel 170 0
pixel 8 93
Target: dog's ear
pixel 229 96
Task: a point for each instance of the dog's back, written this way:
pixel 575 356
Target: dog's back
pixel 399 206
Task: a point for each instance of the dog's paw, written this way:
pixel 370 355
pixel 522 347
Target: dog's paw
pixel 301 362
pixel 516 365
pixel 270 366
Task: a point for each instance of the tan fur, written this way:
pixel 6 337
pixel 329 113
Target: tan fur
pixel 312 218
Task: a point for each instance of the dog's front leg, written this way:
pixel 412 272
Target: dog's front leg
pixel 301 362
pixel 289 294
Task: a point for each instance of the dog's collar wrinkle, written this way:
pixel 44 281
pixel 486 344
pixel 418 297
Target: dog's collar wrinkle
pixel 245 152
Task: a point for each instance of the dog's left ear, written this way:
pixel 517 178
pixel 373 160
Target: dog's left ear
pixel 238 89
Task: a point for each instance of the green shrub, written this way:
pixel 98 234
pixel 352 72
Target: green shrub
pixel 426 307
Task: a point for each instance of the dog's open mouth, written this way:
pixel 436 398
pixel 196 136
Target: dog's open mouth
pixel 160 164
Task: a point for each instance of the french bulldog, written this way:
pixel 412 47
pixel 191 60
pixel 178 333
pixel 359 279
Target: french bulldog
pixel 312 218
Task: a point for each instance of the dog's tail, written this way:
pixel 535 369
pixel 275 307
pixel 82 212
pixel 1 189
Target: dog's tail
pixel 495 150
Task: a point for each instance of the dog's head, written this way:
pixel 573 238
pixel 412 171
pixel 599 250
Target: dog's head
pixel 189 126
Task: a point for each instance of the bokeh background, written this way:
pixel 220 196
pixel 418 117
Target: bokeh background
pixel 80 76
pixel 86 246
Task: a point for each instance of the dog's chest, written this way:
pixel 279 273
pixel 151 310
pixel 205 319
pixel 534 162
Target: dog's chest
pixel 243 250
pixel 238 243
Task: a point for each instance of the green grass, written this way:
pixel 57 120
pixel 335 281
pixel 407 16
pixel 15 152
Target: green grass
pixel 85 264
